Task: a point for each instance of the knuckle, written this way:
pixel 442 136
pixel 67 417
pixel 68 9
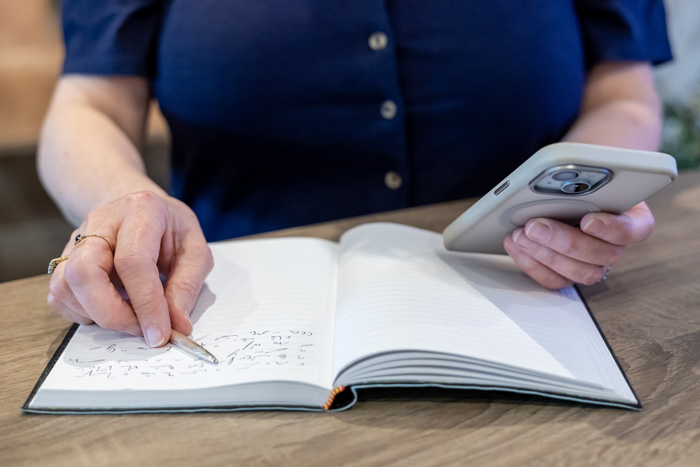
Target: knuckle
pixel 147 304
pixel 53 301
pixel 143 198
pixel 127 263
pixel 75 274
pixel 139 196
pixel 570 246
pixel 627 229
pixel 550 258
pixel 646 232
pixel 57 288
pixel 188 291
pixel 187 288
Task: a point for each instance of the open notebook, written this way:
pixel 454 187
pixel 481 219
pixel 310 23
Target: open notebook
pixel 295 321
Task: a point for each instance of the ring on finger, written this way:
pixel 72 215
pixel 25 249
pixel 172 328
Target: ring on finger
pixel 80 237
pixel 55 262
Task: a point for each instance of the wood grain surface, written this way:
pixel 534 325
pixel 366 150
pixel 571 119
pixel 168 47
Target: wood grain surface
pixel 649 309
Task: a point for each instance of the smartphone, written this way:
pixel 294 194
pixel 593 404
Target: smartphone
pixel 562 181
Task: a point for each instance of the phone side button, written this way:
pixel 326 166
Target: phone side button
pixel 500 189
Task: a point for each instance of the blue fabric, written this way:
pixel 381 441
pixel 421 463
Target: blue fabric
pixel 274 106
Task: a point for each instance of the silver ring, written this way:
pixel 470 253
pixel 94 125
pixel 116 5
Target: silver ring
pixel 605 273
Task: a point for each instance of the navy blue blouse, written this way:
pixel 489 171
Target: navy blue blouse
pixel 285 113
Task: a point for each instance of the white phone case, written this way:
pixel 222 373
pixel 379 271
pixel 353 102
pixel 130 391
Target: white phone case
pixel 636 175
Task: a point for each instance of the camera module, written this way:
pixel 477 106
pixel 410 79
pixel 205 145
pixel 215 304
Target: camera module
pixel 576 187
pixel 565 175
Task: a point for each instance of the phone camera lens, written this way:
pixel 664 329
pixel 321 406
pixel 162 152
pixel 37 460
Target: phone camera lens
pixel 565 175
pixel 577 187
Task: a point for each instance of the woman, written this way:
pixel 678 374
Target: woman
pixel 286 113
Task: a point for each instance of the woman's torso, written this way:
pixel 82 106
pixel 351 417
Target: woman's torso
pixel 281 111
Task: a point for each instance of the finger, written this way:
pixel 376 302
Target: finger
pixel 192 263
pixel 569 268
pixel 61 298
pixel 61 294
pixel 87 274
pixel 135 259
pixel 539 272
pixel 633 226
pixel 572 242
pixel 67 311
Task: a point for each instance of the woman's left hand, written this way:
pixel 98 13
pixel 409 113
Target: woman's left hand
pixel 557 255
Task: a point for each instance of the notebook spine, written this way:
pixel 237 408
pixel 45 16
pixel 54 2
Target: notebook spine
pixel 334 393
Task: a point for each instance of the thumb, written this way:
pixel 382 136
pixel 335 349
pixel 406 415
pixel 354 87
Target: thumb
pixel 633 226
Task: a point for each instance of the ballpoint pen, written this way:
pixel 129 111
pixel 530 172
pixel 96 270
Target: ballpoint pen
pixel 183 342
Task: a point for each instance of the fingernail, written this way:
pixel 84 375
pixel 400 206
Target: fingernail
pixel 538 231
pixel 593 226
pixel 191 327
pixel 187 318
pixel 517 235
pixel 154 336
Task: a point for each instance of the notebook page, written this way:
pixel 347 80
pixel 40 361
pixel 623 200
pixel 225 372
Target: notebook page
pixel 266 313
pixel 400 289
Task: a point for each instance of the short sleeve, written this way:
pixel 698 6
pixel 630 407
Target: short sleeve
pixel 624 30
pixel 111 37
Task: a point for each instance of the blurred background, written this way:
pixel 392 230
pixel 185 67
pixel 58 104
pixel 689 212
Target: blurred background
pixel 32 230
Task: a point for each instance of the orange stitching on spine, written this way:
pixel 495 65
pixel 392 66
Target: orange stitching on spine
pixel 334 393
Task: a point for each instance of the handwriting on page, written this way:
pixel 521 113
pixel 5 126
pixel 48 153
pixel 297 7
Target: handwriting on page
pixel 250 350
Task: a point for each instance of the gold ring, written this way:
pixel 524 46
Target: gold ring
pixel 80 237
pixel 55 262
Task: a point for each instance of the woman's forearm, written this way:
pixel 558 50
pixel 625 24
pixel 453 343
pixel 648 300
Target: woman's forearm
pixel 88 151
pixel 621 108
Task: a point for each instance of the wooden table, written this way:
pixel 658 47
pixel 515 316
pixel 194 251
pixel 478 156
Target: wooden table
pixel 649 309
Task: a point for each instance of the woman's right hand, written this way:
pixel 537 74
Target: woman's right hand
pixel 153 237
